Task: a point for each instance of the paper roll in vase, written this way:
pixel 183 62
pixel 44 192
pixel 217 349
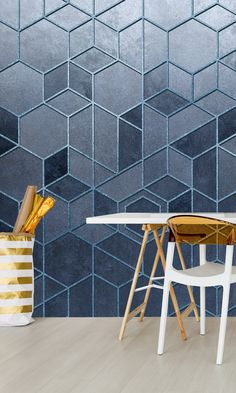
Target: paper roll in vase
pixel 26 208
pixel 40 209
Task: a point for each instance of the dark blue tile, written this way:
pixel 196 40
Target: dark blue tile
pixel 38 312
pixel 52 287
pixel 205 180
pixel 155 81
pixel 8 125
pixel 167 102
pixel 228 204
pixel 5 145
pixel 19 168
pixel 227 124
pixel 110 269
pixel 57 307
pixel 182 203
pixel 155 166
pixel 68 259
pixel 38 291
pixel 198 141
pixel 80 299
pixel 105 299
pixel 122 248
pixel 202 204
pixel 38 256
pixel 132 137
pixel 8 209
pixel 167 187
pixel 80 81
pixel 141 205
pixel 134 116
pixel 55 81
pixel 103 204
pixel 56 166
pixel 68 188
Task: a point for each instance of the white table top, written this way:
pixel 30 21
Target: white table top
pixel 152 218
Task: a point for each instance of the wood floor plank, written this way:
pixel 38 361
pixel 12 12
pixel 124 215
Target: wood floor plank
pixel 59 355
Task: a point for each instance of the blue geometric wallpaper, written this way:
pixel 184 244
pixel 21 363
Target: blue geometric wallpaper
pixel 114 105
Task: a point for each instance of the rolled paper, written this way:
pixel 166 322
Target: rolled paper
pixel 26 208
pixel 38 200
pixel 47 204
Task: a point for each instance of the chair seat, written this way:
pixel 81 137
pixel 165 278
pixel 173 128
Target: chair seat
pixel 210 271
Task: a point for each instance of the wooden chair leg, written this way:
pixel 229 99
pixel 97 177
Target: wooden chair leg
pixel 172 292
pixel 127 314
pixel 148 290
pixel 190 291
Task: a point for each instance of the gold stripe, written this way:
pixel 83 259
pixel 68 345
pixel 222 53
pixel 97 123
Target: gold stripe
pixel 15 280
pixel 9 236
pixel 16 266
pixel 15 251
pixel 15 309
pixel 15 295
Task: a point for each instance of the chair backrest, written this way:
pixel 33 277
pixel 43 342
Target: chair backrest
pixel 26 208
pixel 201 230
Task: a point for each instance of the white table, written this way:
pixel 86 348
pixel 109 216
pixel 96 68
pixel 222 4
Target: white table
pixel 151 222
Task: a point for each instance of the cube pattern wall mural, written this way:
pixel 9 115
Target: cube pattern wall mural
pixel 112 106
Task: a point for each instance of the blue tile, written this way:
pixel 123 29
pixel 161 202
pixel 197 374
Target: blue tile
pixel 197 141
pixel 110 269
pixel 103 204
pixel 80 81
pixel 56 166
pixel 181 203
pixel 105 299
pixel 167 188
pixel 57 307
pixel 227 124
pixel 122 247
pixel 8 125
pixel 8 209
pixel 56 80
pixel 80 299
pixel 134 116
pixel 167 102
pixel 205 181
pixel 132 137
pixel 68 259
pixel 68 188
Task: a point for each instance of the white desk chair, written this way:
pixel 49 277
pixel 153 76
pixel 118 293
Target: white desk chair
pixel 201 231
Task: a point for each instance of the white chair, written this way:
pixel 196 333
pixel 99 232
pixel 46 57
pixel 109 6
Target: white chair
pixel 201 231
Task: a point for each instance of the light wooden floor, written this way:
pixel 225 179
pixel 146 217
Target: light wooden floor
pixel 59 355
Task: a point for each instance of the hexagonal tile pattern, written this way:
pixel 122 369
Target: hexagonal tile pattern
pixel 127 94
pixel 43 45
pixel 192 46
pixel 15 94
pixel 68 259
pixel 108 106
pixel 43 131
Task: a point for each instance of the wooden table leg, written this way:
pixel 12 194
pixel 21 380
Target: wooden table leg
pixel 155 263
pixel 128 315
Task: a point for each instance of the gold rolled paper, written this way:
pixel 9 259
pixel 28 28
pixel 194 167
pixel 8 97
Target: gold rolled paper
pixel 39 210
pixel 38 201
